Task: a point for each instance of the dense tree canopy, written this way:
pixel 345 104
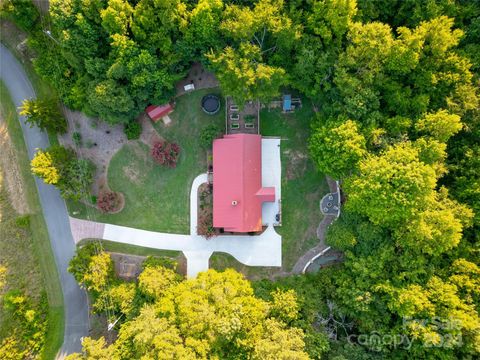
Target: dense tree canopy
pixel 215 315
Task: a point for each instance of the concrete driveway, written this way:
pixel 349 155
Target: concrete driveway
pixel 259 250
pixel 54 211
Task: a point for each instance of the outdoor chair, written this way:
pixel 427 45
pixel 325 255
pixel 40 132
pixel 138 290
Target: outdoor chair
pixel 234 126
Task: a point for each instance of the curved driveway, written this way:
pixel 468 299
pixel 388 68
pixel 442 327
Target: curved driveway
pixel 54 210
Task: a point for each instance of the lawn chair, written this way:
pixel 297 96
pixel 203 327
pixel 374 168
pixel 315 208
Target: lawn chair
pixel 234 126
pixel 234 108
pixel 249 126
pixel 235 117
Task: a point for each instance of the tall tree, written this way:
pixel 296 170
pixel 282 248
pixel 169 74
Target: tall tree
pixel 337 148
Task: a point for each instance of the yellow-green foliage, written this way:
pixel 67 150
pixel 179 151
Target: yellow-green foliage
pixel 43 167
pixel 99 269
pixel 214 316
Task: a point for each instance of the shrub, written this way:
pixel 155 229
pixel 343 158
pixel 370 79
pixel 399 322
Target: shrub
pixel 23 221
pixel 77 138
pixel 208 134
pixel 108 201
pixel 132 130
pixel 165 153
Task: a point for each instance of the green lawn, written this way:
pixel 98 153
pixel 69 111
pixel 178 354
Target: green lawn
pixel 157 198
pixel 113 246
pixel 27 251
pixel 302 188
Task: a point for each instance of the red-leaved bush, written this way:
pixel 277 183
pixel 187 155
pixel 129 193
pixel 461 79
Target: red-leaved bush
pixel 108 202
pixel 166 153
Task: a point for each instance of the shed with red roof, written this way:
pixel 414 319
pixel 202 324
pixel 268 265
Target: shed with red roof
pixel 238 194
pixel 156 112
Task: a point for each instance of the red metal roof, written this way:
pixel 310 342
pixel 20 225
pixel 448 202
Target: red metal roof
pixel 156 112
pixel 237 183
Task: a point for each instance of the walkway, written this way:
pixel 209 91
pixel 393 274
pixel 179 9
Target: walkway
pixel 306 259
pixel 259 250
pixel 54 211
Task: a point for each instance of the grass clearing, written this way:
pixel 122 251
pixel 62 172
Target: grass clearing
pixel 113 246
pixel 302 188
pixel 36 256
pixel 157 198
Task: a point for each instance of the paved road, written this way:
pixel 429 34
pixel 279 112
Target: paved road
pixel 54 210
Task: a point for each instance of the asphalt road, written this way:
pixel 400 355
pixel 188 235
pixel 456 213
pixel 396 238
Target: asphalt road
pixel 54 210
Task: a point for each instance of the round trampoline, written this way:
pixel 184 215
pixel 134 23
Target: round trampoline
pixel 211 104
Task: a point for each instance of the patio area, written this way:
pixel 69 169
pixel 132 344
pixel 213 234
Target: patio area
pixel 242 121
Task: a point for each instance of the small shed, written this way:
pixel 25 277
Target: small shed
pixel 287 103
pixel 156 112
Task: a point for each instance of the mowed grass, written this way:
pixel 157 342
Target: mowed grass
pixel 302 188
pixel 116 247
pixel 27 251
pixel 157 198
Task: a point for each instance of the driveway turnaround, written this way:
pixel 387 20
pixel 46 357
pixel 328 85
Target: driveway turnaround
pixel 258 250
pixel 54 211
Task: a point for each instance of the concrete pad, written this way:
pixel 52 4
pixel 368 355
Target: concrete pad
pixel 271 177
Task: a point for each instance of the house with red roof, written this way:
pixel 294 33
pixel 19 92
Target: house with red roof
pixel 238 194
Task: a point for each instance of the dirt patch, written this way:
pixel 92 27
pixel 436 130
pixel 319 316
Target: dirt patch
pixel 149 135
pixel 296 164
pixel 199 77
pixel 127 267
pixel 97 141
pixel 11 172
pixel 132 174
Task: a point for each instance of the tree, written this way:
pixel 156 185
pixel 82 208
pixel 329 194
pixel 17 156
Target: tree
pixel 91 268
pixel 201 29
pixel 440 125
pixel 392 187
pixel 116 17
pixel 117 298
pixel 243 76
pixel 278 342
pixel 285 305
pixel 214 315
pixel 155 280
pixel 337 148
pixel 94 350
pixel 44 114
